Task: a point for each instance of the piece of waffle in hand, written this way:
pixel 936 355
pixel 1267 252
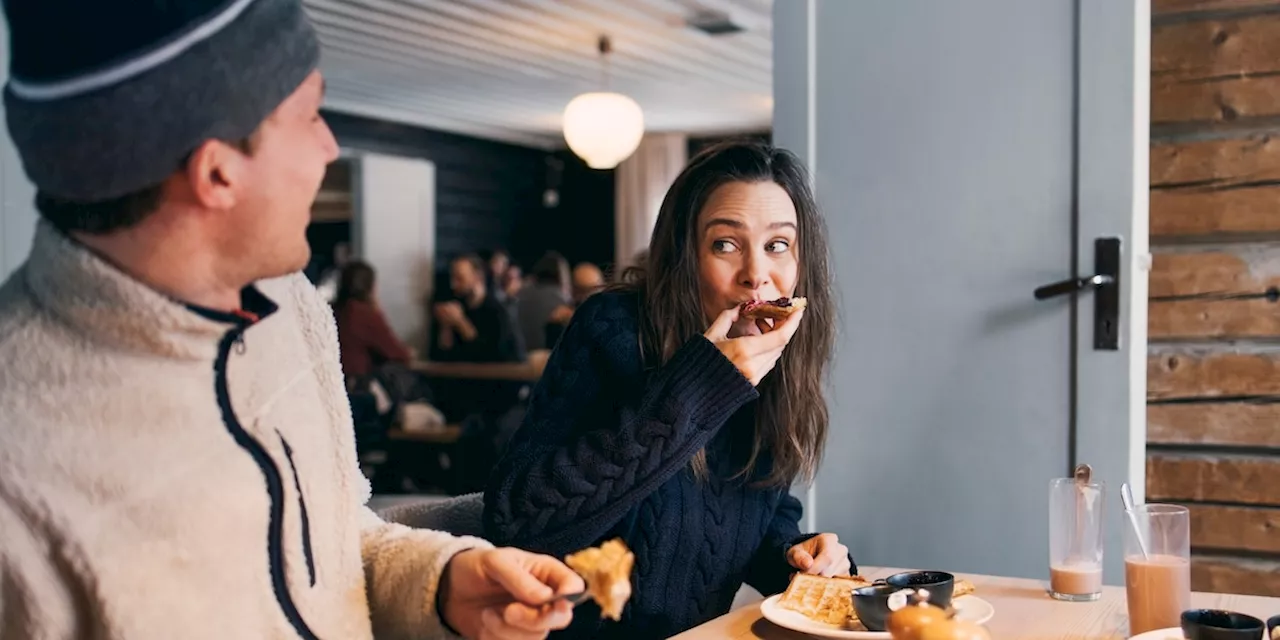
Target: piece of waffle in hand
pixel 607 571
pixel 828 600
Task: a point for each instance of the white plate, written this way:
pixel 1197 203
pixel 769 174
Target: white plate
pixel 1172 633
pixel 970 608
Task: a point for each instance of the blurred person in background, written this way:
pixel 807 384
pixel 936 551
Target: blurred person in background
pixel 365 337
pixel 474 326
pixel 548 291
pixel 588 279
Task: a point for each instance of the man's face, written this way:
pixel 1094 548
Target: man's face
pixel 463 278
pixel 285 167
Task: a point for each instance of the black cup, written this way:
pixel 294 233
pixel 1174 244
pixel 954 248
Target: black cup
pixel 1273 623
pixel 1213 624
pixel 939 584
pixel 872 605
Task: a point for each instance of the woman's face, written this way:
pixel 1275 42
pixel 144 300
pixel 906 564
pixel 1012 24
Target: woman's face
pixel 747 248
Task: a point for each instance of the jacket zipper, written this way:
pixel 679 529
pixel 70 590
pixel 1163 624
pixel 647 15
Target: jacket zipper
pixel 302 506
pixel 271 473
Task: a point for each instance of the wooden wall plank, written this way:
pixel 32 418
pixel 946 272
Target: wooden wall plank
pixel 1216 162
pixel 1161 7
pixel 1252 529
pixel 1214 271
pixel 1245 480
pixel 1208 212
pixel 1237 424
pixel 1172 374
pixel 1213 320
pixel 1218 101
pixel 1204 49
pixel 1235 575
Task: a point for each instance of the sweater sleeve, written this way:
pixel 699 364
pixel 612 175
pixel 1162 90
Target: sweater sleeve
pixel 403 568
pixel 584 455
pixel 769 571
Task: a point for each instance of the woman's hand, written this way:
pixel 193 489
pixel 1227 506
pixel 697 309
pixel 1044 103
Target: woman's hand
pixel 822 554
pixel 754 356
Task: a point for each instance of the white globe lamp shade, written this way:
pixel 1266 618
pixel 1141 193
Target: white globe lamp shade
pixel 603 128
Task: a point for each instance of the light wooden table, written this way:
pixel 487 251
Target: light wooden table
pixel 1023 612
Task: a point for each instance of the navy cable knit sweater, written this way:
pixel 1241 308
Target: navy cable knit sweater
pixel 605 452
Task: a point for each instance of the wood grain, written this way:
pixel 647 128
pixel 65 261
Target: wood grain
pixel 1210 211
pixel 1164 7
pixel 1236 575
pixel 1174 374
pixel 1215 320
pixel 1217 101
pixel 1214 271
pixel 1239 270
pixel 1254 529
pixel 1200 49
pixel 1230 424
pixel 1246 480
pixel 1216 163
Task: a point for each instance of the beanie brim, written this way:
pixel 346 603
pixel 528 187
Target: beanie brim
pixel 129 136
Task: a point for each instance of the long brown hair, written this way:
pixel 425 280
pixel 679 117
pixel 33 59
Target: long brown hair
pixel 791 417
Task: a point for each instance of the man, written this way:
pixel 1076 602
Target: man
pixel 176 457
pixel 474 327
pixel 587 281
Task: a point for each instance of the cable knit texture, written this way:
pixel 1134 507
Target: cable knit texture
pixel 605 451
pixel 147 493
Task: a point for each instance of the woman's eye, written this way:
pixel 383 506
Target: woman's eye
pixel 777 246
pixel 723 246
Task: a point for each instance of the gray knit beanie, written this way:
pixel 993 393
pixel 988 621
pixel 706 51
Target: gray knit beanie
pixel 107 97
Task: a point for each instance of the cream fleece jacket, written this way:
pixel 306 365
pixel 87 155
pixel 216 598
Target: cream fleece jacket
pixel 166 473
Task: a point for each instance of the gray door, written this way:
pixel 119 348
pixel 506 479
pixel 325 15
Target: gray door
pixel 965 154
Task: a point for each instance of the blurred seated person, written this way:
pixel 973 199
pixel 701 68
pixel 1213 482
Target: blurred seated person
pixel 473 327
pixel 497 270
pixel 364 336
pixel 548 292
pixel 587 280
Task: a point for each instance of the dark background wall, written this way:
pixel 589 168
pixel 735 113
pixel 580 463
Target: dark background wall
pixel 490 194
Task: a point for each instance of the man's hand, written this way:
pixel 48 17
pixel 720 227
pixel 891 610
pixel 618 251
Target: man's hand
pixel 502 594
pixel 449 313
pixel 820 555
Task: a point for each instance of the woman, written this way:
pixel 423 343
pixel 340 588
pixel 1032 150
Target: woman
pixel 665 419
pixel 364 337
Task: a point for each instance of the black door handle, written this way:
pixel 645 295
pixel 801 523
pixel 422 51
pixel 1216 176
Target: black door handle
pixel 1072 286
pixel 1106 283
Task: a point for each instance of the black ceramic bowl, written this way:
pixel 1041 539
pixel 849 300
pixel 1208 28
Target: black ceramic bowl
pixel 1273 623
pixel 939 584
pixel 1213 624
pixel 872 605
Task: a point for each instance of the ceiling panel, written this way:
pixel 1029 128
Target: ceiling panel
pixel 505 69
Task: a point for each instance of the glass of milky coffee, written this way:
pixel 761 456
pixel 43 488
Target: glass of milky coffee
pixel 1075 539
pixel 1157 566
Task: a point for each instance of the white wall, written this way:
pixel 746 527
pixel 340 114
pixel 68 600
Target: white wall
pixel 17 209
pixel 394 231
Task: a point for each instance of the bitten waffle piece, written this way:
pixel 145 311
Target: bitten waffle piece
pixel 772 309
pixel 827 600
pixel 607 571
pixel 963 588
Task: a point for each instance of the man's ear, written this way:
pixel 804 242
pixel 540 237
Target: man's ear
pixel 215 173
